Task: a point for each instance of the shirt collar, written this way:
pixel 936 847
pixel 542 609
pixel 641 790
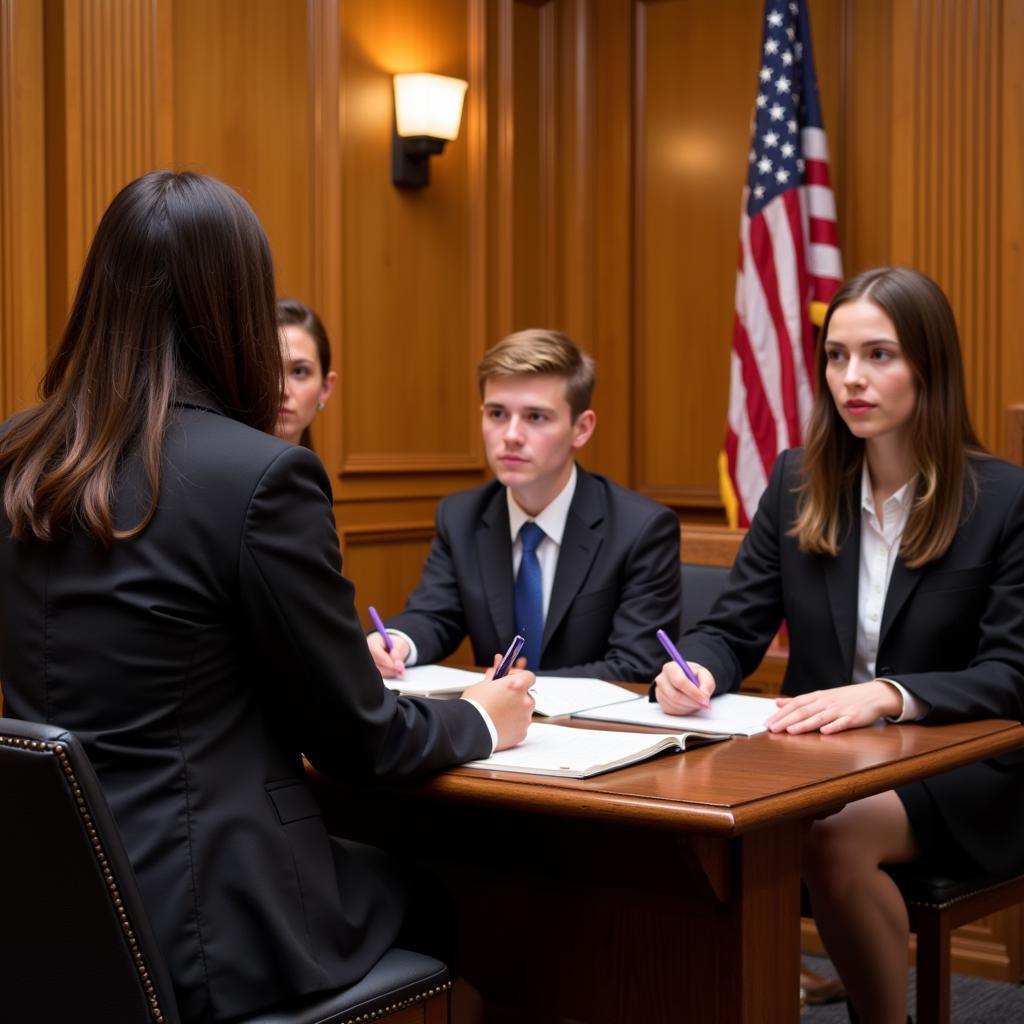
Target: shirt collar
pixel 551 519
pixel 901 499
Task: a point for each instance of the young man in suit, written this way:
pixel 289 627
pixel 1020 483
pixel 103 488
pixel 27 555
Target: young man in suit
pixel 586 570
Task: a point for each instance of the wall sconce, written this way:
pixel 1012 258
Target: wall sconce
pixel 428 110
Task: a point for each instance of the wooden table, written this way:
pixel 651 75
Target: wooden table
pixel 663 892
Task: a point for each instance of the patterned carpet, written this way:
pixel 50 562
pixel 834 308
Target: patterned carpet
pixel 974 1001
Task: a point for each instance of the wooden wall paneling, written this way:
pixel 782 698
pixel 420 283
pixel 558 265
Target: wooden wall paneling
pixel 863 134
pixel 384 561
pixel 242 115
pixel 611 282
pixel 109 111
pixel 501 167
pixel 22 205
pixel 949 87
pixel 534 123
pixel 413 265
pixel 690 160
pixel 324 223
pixel 1009 269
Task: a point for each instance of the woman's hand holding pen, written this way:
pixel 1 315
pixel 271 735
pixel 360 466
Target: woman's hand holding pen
pixel 508 701
pixel 837 709
pixel 677 695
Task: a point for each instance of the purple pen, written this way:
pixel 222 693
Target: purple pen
pixel 510 656
pixel 379 626
pixel 678 658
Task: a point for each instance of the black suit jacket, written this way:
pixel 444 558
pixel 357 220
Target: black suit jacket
pixel 195 662
pixel 616 583
pixel 952 633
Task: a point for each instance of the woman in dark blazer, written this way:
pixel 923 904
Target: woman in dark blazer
pixel 170 592
pixel 893 548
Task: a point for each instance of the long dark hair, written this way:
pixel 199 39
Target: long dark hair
pixel 942 438
pixel 292 313
pixel 177 294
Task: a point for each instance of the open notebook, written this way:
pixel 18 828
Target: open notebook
pixel 731 714
pixel 554 695
pixel 580 753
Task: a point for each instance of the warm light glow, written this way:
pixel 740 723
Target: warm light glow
pixel 429 105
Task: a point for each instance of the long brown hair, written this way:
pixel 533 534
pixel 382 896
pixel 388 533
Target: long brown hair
pixel 293 313
pixel 177 294
pixel 942 439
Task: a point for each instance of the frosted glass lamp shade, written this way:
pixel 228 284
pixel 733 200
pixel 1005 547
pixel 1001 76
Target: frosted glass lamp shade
pixel 428 105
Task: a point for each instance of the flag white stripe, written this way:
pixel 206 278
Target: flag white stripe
pixel 825 261
pixel 792 302
pixel 814 143
pixel 820 201
pixel 764 342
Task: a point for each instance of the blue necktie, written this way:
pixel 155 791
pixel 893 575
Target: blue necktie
pixel 529 595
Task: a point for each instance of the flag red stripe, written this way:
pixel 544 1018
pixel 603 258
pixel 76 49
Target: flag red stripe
pixel 759 411
pixel 823 232
pixel 816 173
pixel 823 288
pixel 764 259
pixel 792 201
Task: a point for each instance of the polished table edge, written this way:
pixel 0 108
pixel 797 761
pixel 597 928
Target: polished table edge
pixel 588 799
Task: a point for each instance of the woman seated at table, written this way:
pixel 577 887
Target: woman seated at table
pixel 308 377
pixel 170 591
pixel 893 548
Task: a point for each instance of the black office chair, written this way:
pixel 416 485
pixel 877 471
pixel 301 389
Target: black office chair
pixel 938 903
pixel 701 586
pixel 76 941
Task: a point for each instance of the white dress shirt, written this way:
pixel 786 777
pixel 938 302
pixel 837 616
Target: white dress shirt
pixel 879 549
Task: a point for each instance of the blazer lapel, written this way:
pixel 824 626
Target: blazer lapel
pixel 580 545
pixel 841 580
pixel 494 556
pixel 901 586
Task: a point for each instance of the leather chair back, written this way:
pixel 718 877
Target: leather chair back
pixel 75 938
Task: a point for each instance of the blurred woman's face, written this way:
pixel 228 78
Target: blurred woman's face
pixel 305 386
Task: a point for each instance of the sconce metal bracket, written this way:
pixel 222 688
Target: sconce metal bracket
pixel 410 159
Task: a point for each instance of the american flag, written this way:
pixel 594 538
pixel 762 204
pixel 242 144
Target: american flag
pixel 789 256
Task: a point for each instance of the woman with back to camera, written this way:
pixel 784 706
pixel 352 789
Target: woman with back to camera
pixel 308 377
pixel 170 592
pixel 893 547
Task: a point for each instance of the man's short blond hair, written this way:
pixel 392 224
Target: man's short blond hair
pixel 535 352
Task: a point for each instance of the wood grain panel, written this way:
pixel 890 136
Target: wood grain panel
pixel 532 125
pixel 691 157
pixel 1010 267
pixel 241 113
pixel 22 205
pixel 413 265
pixel 110 106
pixel 952 84
pixel 384 562
pixel 610 285
pixel 325 224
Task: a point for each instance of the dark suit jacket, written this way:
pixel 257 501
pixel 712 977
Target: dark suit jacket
pixel 952 633
pixel 617 581
pixel 195 662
